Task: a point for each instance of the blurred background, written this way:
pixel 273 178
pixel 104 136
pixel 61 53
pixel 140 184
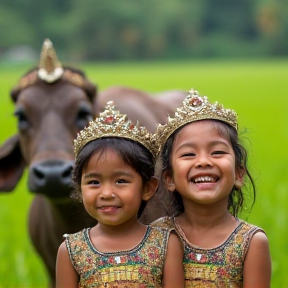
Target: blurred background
pixel 135 30
pixel 236 52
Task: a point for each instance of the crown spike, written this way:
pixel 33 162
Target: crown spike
pixel 111 123
pixel 50 68
pixel 194 108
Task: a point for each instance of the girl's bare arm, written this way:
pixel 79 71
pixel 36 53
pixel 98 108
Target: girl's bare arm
pixel 173 274
pixel 66 276
pixel 257 264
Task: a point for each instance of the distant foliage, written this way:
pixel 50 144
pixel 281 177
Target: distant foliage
pixel 147 29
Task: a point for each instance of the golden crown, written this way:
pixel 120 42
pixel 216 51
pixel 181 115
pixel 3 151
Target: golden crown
pixel 111 123
pixel 50 70
pixel 194 108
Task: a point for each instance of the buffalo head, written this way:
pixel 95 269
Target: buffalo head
pixel 51 108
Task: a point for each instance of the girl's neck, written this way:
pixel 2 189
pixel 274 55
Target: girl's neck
pixel 107 238
pixel 126 228
pixel 206 226
pixel 207 215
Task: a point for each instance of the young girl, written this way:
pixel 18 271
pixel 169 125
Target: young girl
pixel 204 168
pixel 114 174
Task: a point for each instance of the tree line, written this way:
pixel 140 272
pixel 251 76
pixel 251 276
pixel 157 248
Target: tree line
pixel 147 29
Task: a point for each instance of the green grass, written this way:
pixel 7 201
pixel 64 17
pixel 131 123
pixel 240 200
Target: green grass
pixel 257 90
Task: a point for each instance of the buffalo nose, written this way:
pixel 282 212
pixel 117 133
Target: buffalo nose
pixel 53 178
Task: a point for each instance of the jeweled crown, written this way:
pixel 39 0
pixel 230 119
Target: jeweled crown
pixel 50 70
pixel 194 108
pixel 111 123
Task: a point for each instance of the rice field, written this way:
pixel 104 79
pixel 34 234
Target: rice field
pixel 256 89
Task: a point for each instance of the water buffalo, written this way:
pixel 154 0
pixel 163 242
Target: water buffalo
pixel 52 103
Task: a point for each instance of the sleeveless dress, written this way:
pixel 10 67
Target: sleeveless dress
pixel 221 266
pixel 139 267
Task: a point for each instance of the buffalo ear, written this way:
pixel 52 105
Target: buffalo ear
pixel 11 164
pixel 91 90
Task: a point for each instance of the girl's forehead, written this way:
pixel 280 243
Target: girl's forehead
pixel 105 160
pixel 202 125
pixel 105 154
pixel 204 130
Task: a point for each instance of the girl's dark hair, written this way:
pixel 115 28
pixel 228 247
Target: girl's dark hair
pixel 131 152
pixel 236 196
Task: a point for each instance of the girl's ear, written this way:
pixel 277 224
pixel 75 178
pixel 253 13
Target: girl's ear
pixel 150 189
pixel 168 181
pixel 239 178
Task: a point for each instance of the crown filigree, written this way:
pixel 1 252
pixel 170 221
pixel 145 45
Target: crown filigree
pixel 194 108
pixel 111 123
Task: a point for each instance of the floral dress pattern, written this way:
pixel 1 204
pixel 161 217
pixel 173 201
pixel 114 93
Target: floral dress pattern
pixel 139 267
pixel 221 266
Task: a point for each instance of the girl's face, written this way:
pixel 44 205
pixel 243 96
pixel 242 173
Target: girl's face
pixel 112 190
pixel 203 164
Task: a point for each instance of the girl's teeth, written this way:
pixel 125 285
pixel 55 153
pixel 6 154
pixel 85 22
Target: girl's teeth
pixel 204 179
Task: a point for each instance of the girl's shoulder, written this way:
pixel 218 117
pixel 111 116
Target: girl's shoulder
pixel 76 244
pixel 77 235
pixel 78 241
pixel 159 234
pixel 248 229
pixel 164 222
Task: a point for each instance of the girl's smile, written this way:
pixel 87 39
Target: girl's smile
pixel 204 179
pixel 109 209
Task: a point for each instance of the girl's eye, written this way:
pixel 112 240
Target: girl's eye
pixel 218 152
pixel 121 181
pixel 191 154
pixel 93 182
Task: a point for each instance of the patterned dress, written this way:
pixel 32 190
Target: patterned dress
pixel 139 267
pixel 218 267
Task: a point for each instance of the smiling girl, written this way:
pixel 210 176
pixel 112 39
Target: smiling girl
pixel 204 168
pixel 114 173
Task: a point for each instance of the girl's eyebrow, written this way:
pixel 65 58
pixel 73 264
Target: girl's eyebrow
pixel 184 145
pixel 221 142
pixel 91 175
pixel 210 144
pixel 115 174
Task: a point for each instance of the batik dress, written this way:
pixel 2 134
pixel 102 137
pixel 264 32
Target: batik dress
pixel 221 266
pixel 139 267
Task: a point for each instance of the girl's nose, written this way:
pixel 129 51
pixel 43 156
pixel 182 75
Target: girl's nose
pixel 107 193
pixel 203 161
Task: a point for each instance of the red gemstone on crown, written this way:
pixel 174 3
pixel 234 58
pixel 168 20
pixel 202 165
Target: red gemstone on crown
pixel 196 101
pixel 109 120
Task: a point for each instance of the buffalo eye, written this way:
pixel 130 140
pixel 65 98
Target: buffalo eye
pixel 23 122
pixel 84 116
